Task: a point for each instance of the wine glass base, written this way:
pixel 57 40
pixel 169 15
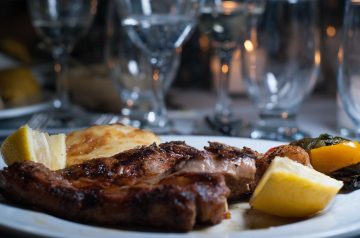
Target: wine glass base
pixel 157 123
pixel 278 133
pixel 224 126
pixel 159 129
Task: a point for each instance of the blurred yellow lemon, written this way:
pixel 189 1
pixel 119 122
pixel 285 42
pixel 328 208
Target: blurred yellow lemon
pixel 27 144
pixel 290 189
pixel 15 49
pixel 18 85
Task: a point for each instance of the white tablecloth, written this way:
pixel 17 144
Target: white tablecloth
pixel 318 114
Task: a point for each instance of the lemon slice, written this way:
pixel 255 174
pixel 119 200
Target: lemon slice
pixel 27 144
pixel 290 189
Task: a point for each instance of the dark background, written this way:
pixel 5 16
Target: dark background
pixel 194 72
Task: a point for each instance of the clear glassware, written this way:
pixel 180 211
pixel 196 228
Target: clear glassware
pixel 349 71
pixel 60 23
pixel 158 28
pixel 280 65
pixel 131 70
pixel 224 22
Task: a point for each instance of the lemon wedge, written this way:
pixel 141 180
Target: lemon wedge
pixel 290 189
pixel 27 144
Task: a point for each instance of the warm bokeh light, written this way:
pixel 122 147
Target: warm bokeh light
pixel 156 75
pixel 248 46
pixel 229 6
pixel 340 55
pixel 330 31
pixel 317 57
pixel 225 68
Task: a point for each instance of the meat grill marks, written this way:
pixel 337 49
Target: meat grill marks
pixel 175 203
pixel 145 162
pixel 237 165
pixel 153 162
pixel 171 185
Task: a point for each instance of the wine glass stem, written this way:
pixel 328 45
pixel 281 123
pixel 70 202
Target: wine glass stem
pixel 223 103
pixel 278 119
pixel 159 109
pixel 62 101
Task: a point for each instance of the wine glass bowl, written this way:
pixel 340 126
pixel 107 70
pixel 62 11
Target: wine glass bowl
pixel 158 28
pixel 348 79
pixel 281 60
pixel 224 23
pixel 60 23
pixel 130 70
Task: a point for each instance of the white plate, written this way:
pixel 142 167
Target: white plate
pixel 342 217
pixel 25 110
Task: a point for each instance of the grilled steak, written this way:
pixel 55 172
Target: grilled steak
pixel 172 185
pixel 153 162
pixel 175 202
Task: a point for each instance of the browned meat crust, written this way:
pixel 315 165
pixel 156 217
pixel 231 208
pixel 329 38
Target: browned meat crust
pixel 237 165
pixel 175 203
pixel 146 161
pixel 153 162
pixel 172 185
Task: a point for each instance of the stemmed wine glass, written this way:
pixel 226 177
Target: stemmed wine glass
pixel 131 70
pixel 60 23
pixel 281 61
pixel 224 22
pixel 158 28
pixel 348 79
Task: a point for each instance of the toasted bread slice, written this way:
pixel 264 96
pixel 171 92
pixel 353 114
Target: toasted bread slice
pixel 105 141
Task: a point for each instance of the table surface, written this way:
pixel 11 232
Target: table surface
pixel 318 114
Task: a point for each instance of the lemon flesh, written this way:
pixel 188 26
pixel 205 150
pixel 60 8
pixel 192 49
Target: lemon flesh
pixel 290 189
pixel 27 144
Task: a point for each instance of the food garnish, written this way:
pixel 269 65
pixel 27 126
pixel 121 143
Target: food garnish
pixel 290 189
pixel 27 144
pixel 350 176
pixel 320 141
pixel 336 156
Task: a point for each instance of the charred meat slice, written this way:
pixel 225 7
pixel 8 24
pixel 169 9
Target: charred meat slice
pixel 154 162
pixel 237 165
pixel 146 161
pixel 211 194
pixel 175 203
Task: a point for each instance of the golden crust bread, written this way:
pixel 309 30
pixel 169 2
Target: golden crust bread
pixel 105 141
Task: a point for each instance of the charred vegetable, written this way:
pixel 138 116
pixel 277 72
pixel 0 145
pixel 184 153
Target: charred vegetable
pixel 323 140
pixel 350 176
pixel 335 156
